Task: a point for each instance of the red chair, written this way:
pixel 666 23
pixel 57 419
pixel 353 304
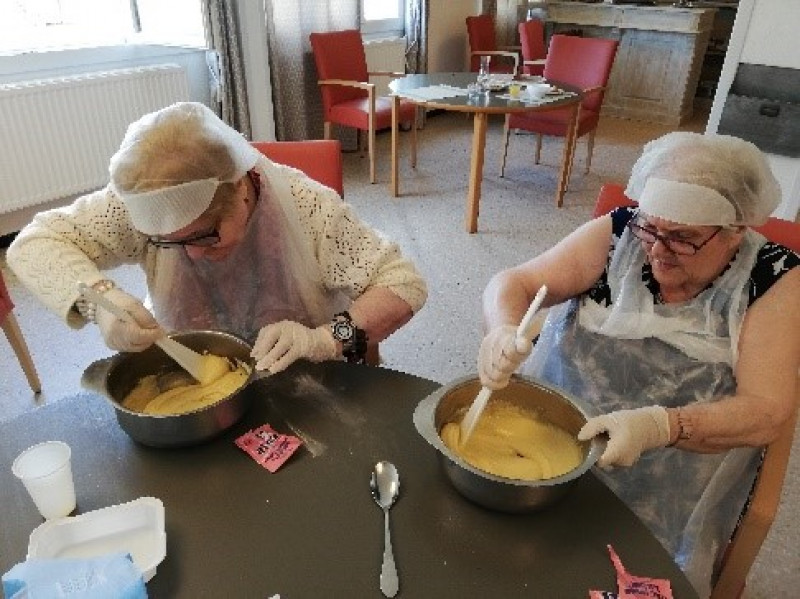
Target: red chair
pixel 531 39
pixel 320 159
pixel 348 98
pixel 746 542
pixel 14 335
pixel 584 63
pixel 483 42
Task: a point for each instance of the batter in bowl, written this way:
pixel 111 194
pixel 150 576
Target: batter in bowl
pixel 515 443
pixel 219 381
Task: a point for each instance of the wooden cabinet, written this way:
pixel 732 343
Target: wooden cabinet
pixel 658 61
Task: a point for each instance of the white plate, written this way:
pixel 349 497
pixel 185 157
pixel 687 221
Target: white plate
pixel 136 527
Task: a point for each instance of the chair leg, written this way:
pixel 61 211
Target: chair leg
pixel 327 130
pixel 17 342
pixel 589 150
pixel 414 126
pixel 538 154
pixel 371 141
pixel 506 133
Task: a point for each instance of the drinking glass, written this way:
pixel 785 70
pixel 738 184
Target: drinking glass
pixel 483 73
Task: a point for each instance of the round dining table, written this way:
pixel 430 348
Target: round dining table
pixel 421 89
pixel 312 529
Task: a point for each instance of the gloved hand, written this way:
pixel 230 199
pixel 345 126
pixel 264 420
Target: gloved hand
pixel 281 343
pixel 135 335
pixel 630 433
pixel 500 355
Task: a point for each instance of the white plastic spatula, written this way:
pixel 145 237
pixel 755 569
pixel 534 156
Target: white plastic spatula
pixel 188 359
pixel 524 332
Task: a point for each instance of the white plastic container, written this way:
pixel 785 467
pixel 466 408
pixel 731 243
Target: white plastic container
pixel 136 527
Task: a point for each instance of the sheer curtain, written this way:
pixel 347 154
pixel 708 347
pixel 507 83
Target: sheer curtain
pixel 225 63
pixel 506 17
pixel 298 105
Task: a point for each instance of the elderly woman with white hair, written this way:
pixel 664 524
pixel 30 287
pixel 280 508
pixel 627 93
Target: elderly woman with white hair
pixel 228 240
pixel 678 328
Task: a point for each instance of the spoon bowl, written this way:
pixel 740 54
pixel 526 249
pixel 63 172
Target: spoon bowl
pixel 385 487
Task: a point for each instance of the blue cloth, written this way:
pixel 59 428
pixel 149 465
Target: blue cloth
pixel 111 576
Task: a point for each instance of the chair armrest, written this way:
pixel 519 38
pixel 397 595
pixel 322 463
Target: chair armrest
pixel 345 83
pixel 596 88
pixel 386 74
pixel 536 62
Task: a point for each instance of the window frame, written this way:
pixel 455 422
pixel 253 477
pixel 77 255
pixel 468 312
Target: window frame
pixel 382 28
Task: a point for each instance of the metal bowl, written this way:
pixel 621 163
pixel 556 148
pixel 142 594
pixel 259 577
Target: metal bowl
pixel 450 403
pixel 117 376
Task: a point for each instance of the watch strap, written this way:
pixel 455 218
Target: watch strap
pixel 354 349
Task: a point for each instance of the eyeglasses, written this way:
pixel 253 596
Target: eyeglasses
pixel 203 240
pixel 676 246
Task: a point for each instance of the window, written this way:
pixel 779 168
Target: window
pixel 382 18
pixel 35 25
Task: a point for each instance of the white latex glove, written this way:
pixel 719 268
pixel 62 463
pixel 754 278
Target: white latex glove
pixel 138 334
pixel 630 433
pixel 500 355
pixel 281 343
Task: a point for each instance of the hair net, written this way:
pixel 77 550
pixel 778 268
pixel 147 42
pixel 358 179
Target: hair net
pixel 727 167
pixel 171 163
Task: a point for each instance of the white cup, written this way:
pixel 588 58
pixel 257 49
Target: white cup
pixel 537 91
pixel 46 471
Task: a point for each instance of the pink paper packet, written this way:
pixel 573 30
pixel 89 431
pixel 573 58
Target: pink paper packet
pixel 633 587
pixel 268 447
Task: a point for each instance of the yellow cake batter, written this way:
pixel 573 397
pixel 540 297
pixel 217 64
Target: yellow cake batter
pixel 512 442
pixel 218 381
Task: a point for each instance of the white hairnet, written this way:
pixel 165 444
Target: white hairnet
pixel 171 163
pixel 730 167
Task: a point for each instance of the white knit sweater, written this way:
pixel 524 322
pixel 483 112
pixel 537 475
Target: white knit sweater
pixel 76 243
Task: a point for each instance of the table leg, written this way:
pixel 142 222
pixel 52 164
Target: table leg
pixel 569 150
pixel 476 170
pixel 395 183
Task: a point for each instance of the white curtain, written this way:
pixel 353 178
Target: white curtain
pixel 296 95
pixel 226 65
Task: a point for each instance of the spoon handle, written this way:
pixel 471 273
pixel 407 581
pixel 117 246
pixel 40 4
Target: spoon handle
pixel 389 582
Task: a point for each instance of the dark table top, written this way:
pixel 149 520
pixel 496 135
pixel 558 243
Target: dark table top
pixel 312 528
pixel 492 102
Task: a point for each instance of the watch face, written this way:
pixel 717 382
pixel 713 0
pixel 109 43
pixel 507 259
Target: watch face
pixel 343 331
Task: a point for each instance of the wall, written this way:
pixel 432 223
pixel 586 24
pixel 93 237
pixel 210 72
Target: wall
pixel 765 33
pixel 447 34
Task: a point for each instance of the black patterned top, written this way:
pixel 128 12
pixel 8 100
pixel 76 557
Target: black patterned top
pixel 773 261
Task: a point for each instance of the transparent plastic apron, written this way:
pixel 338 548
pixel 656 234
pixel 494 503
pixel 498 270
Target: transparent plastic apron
pixel 636 353
pixel 270 276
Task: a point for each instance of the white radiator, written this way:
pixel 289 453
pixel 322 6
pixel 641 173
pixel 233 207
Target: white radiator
pixel 385 55
pixel 57 135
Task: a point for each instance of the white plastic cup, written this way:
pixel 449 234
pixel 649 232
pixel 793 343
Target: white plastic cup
pixel 46 471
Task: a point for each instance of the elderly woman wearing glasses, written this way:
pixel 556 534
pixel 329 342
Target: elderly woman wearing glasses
pixel 228 240
pixel 678 327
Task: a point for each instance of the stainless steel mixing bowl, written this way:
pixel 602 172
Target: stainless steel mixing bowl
pixel 450 403
pixel 115 377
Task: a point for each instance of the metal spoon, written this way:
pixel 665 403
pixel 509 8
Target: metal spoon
pixel 385 487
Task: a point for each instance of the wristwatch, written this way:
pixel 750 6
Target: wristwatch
pixel 353 339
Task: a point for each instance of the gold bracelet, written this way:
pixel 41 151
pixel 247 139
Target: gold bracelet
pixel 88 309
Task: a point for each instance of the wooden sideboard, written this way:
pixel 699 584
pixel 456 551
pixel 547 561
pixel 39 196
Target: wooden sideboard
pixel 660 55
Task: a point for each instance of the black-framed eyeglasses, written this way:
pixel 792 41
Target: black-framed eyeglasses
pixel 203 240
pixel 680 247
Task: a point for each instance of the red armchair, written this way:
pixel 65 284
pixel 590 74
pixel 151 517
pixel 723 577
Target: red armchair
pixel 584 63
pixel 746 542
pixel 483 42
pixel 14 334
pixel 348 98
pixel 320 159
pixel 531 39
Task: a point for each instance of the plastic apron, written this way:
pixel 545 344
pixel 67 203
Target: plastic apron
pixel 635 353
pixel 272 275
